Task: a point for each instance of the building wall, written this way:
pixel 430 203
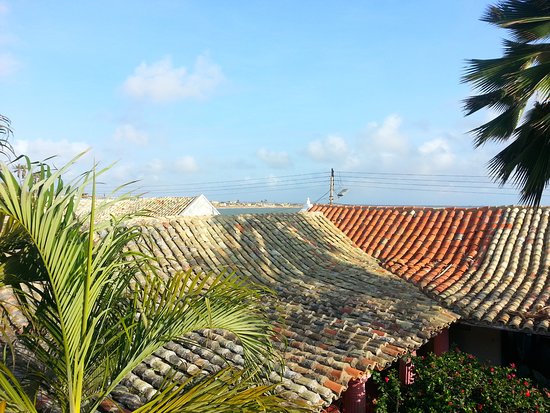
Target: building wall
pixel 484 343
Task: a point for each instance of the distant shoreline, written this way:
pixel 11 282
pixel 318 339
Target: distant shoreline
pixel 248 206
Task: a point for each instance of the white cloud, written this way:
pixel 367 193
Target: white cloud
pixel 186 164
pixel 155 165
pixel 387 137
pixel 120 173
pixel 4 8
pixel 434 146
pixel 130 134
pixel 437 154
pixel 332 147
pixel 162 82
pixel 274 159
pixel 40 149
pixel 8 64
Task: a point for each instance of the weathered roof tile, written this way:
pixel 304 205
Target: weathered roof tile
pixel 342 315
pixel 490 264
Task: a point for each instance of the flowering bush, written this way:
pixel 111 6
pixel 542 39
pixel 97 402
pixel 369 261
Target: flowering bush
pixel 458 382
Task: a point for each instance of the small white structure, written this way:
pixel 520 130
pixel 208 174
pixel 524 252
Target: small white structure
pixel 306 206
pixel 199 206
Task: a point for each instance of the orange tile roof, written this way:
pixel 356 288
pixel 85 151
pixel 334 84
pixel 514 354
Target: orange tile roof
pixel 489 264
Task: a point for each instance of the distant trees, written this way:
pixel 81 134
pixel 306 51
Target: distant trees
pixel 511 84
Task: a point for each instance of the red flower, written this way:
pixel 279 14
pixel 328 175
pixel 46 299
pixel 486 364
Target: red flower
pixel 526 383
pixel 492 370
pixel 528 393
pixel 479 406
pixel 386 379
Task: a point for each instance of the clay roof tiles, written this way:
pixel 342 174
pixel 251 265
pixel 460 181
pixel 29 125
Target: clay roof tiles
pixel 160 207
pixel 343 315
pixel 489 264
pixel 340 313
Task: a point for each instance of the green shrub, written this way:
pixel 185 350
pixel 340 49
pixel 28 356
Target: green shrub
pixel 458 382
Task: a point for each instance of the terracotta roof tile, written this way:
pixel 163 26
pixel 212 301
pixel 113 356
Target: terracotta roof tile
pixel 490 264
pixel 343 315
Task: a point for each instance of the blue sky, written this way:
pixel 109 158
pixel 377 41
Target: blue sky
pixel 254 100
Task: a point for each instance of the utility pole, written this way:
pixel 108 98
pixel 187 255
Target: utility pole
pixel 331 191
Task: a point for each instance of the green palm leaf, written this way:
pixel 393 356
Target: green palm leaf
pixel 511 84
pixel 96 307
pixel 228 391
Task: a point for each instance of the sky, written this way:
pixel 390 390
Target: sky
pixel 254 100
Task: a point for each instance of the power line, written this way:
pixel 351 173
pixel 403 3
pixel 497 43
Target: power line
pixel 413 174
pixel 263 188
pixel 434 191
pixel 386 178
pixel 441 184
pixel 435 183
pixel 242 188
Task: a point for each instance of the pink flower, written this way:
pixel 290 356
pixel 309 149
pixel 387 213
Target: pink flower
pixel 513 365
pixel 386 379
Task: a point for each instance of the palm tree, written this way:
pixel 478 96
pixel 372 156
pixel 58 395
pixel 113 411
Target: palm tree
pixel 5 132
pixel 95 310
pixel 517 81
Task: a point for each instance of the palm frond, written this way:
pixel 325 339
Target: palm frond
pixel 526 161
pixel 527 20
pixel 95 306
pixel 5 133
pixel 498 100
pixel 489 75
pixel 187 302
pixel 512 84
pixel 13 394
pixel 228 391
pixel 530 81
pixel 500 128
